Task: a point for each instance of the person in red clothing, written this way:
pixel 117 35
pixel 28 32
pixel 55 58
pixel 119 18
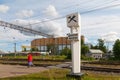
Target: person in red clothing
pixel 30 59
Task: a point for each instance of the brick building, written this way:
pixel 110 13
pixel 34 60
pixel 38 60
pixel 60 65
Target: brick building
pixel 58 44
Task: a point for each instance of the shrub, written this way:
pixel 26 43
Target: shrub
pixel 67 52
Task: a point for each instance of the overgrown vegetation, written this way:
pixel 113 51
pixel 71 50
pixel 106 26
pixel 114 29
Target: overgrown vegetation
pixel 116 50
pixel 87 58
pixel 60 74
pixel 84 49
pixel 19 56
pixel 100 45
pixel 67 52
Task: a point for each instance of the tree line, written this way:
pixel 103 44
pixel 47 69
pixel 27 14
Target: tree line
pixel 85 49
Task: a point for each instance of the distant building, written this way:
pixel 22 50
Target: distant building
pixel 108 55
pixel 95 53
pixel 59 43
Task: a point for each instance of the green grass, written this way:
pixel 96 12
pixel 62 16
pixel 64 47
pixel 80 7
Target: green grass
pixel 52 57
pixel 52 74
pixel 99 76
pixel 60 74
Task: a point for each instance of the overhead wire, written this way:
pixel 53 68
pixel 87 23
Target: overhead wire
pixel 107 22
pixel 63 9
pixel 32 17
pixel 101 8
pixel 101 4
pixel 88 1
pixel 77 5
pixel 85 12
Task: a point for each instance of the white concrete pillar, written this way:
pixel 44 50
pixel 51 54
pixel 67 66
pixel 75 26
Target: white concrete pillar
pixel 73 22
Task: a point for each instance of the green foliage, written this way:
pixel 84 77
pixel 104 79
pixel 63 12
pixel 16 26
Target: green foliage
pixel 100 46
pixel 25 49
pixel 49 47
pixel 116 49
pixel 36 49
pixel 84 49
pixel 32 49
pixel 67 52
pixel 52 48
pixel 60 74
pixel 82 42
pixel 87 58
pixel 52 74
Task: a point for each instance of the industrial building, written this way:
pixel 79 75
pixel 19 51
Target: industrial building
pixel 50 44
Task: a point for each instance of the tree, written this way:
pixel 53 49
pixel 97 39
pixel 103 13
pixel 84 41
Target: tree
pixel 84 48
pixel 116 49
pixel 52 48
pixel 36 49
pixel 67 52
pixel 32 49
pixel 24 50
pixel 100 46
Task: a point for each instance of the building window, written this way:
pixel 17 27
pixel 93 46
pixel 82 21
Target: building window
pixel 60 47
pixel 68 46
pixel 64 46
pixel 39 48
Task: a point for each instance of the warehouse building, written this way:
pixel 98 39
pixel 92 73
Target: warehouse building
pixel 52 44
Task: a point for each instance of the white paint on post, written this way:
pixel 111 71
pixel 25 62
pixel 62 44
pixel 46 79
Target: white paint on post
pixel 73 22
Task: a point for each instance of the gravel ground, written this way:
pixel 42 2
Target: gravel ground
pixel 17 70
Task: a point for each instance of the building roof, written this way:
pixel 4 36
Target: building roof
pixel 95 51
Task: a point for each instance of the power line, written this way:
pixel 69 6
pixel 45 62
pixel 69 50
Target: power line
pixel 101 8
pixel 101 4
pixel 60 9
pixel 47 20
pixel 78 4
pixel 99 23
pixel 85 12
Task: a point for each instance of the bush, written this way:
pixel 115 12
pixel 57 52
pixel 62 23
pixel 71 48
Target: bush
pixel 67 52
pixel 87 58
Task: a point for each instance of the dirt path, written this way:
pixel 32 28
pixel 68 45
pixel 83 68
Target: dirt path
pixel 16 70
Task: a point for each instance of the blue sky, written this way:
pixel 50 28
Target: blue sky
pixel 99 19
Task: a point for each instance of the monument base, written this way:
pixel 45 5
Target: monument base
pixel 76 76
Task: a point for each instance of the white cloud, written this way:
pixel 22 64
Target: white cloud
pixel 24 13
pixel 87 40
pixel 11 35
pixel 4 8
pixel 110 37
pixel 98 25
pixel 51 11
pixel 51 27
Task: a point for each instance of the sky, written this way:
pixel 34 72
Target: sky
pixel 100 19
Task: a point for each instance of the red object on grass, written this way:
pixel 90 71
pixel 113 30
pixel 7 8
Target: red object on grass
pixel 29 57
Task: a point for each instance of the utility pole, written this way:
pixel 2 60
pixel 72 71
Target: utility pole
pixel 15 49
